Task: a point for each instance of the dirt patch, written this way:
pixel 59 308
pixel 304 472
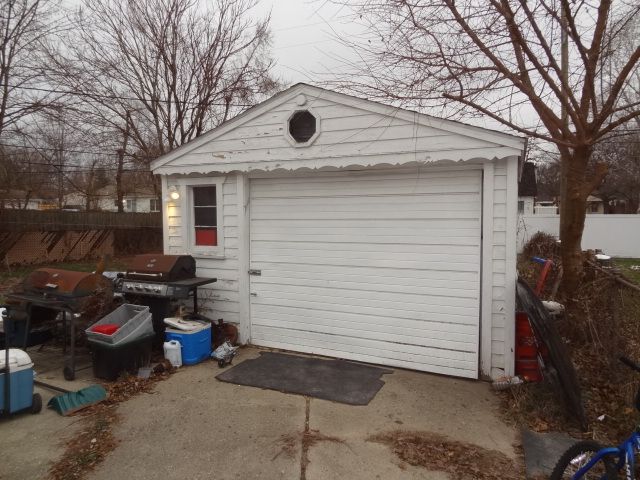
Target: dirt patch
pixel 308 438
pixel 460 460
pixel 288 444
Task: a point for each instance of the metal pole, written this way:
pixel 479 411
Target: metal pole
pixel 564 62
pixel 6 370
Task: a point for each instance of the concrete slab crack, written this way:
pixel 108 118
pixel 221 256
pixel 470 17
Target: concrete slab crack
pixel 306 442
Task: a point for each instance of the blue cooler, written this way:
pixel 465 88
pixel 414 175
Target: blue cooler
pixel 196 344
pixel 21 396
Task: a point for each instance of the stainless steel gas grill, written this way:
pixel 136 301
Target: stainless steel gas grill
pixel 159 282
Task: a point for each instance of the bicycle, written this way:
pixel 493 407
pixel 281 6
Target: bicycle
pixel 590 460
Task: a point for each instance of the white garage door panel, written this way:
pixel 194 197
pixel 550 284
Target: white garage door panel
pixel 384 348
pixel 435 331
pixel 368 266
pixel 416 337
pixel 371 353
pixel 451 280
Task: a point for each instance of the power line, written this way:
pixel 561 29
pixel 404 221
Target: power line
pixel 118 97
pixel 63 150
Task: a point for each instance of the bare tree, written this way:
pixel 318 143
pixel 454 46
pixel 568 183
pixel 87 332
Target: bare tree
pixel 621 189
pixel 69 149
pixel 22 177
pixel 165 71
pixel 497 59
pixel 24 26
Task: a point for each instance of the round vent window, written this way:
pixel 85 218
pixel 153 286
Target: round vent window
pixel 302 126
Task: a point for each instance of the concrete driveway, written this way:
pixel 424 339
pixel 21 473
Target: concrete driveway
pixel 193 426
pixel 196 427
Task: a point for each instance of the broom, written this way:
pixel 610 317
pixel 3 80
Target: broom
pixel 69 401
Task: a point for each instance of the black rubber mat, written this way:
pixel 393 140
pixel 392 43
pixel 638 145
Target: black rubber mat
pixel 335 380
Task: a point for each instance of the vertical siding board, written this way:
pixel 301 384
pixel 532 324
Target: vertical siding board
pixel 510 264
pixel 499 256
pixel 487 269
pixel 243 258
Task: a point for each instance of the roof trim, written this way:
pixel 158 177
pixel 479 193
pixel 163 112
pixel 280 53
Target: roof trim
pixel 499 138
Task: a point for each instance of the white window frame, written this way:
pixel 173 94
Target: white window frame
pixel 188 231
pixel 292 141
pixel 131 205
pixel 158 205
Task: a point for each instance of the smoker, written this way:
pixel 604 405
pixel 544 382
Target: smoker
pixel 160 282
pixel 80 297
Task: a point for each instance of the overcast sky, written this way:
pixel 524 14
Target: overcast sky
pixel 304 37
pixel 306 47
pixel 305 43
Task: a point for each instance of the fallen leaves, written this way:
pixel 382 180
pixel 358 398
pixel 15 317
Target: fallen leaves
pixel 88 448
pixel 461 460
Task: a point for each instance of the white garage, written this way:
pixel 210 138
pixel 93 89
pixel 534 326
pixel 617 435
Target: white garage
pixel 342 227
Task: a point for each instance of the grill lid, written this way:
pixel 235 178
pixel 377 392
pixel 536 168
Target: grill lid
pixel 161 268
pixel 64 283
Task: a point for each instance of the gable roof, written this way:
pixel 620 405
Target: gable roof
pixel 512 143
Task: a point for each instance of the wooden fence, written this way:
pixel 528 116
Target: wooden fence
pixel 53 220
pixel 32 236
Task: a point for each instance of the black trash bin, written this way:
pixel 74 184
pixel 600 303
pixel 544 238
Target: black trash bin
pixel 110 360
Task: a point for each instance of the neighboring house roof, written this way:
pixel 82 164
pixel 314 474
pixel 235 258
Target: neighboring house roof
pixel 593 198
pixel 140 192
pixel 528 185
pixel 225 155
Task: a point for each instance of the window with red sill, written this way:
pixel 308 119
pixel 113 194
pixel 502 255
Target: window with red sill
pixel 205 216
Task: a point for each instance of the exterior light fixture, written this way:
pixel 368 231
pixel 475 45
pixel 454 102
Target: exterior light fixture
pixel 174 194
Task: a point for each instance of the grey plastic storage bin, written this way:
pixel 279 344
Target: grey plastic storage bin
pixel 134 320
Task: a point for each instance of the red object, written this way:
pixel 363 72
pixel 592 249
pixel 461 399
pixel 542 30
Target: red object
pixel 206 237
pixel 106 329
pixel 527 350
pixel 543 277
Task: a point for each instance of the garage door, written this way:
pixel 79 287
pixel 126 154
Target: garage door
pixel 381 268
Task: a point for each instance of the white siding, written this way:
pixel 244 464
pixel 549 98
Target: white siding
pixel 352 132
pixel 221 299
pixel 498 310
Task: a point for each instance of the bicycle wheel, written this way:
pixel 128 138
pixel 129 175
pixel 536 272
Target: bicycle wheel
pixel 578 456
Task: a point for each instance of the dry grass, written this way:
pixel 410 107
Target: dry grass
pixel 461 460
pixel 607 326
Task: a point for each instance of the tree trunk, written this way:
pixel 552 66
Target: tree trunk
pixel 573 209
pixel 120 167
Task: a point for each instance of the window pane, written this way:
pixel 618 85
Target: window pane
pixel 204 196
pixel 206 237
pixel 204 216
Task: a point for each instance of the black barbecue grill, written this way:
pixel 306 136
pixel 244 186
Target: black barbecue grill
pixel 80 297
pixel 159 281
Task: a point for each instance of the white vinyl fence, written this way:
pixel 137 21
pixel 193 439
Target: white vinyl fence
pixel 616 235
